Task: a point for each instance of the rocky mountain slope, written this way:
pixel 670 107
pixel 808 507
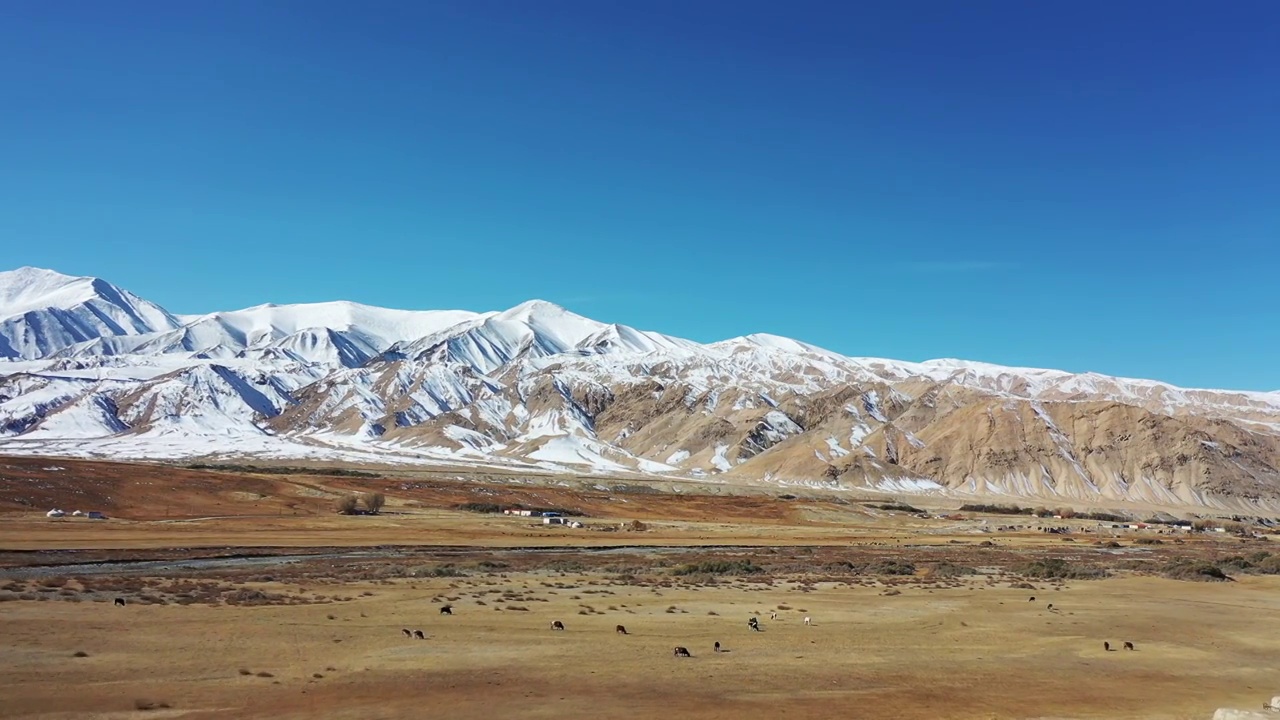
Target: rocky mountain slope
pixel 93 370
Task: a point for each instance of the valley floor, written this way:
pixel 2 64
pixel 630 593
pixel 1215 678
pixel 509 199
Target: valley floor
pixel 973 651
pixel 301 615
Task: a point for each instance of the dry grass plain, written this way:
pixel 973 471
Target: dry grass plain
pixel 901 628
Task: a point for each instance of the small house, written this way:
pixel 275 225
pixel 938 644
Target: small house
pixel 54 513
pixel 553 521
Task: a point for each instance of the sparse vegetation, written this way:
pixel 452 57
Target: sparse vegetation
pixel 1194 570
pixel 335 472
pixel 1060 569
pixel 479 507
pixel 897 506
pixel 719 567
pixel 948 569
pixel 996 509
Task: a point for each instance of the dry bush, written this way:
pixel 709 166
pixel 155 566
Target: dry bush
pixel 346 505
pixel 948 569
pixel 1195 571
pixel 373 502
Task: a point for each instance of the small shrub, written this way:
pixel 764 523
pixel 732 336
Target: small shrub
pixel 144 705
pixel 373 502
pixel 948 569
pixel 246 672
pixel 1235 563
pixel 1194 571
pixel 265 674
pixel 1148 541
pixel 346 505
pixel 81 654
pixel 1269 565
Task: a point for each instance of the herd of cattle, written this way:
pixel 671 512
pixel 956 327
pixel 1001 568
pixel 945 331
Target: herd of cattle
pixel 680 651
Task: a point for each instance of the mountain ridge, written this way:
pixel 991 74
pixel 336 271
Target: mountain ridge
pixel 93 369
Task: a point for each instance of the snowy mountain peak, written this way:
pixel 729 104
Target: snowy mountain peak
pixel 43 312
pixel 777 342
pixel 30 288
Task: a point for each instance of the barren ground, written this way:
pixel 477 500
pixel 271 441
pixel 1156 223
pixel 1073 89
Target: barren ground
pixel 257 634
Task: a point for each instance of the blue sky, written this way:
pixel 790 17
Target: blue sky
pixel 1084 185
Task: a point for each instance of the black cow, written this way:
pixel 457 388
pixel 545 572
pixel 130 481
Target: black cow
pixel 446 609
pixel 682 652
pixel 418 634
pixel 557 625
pixel 119 602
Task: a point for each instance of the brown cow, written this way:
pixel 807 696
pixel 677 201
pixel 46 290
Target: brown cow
pixel 407 633
pixel 418 634
pixel 1106 646
pixel 621 630
pixel 557 625
pixel 1128 646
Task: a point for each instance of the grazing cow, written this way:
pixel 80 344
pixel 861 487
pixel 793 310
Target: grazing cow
pixel 773 615
pixel 1031 599
pixel 681 652
pixel 717 646
pixel 1128 646
pixel 446 609
pixel 754 624
pixel 1106 646
pixel 418 634
pixel 808 620
pixel 620 630
pixel 557 625
pixel 119 602
pixel 407 633
pixel 1051 606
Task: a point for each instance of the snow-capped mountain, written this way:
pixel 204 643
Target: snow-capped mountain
pixel 94 370
pixel 42 312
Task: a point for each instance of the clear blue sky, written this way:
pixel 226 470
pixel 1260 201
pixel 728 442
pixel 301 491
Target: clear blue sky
pixel 1078 184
